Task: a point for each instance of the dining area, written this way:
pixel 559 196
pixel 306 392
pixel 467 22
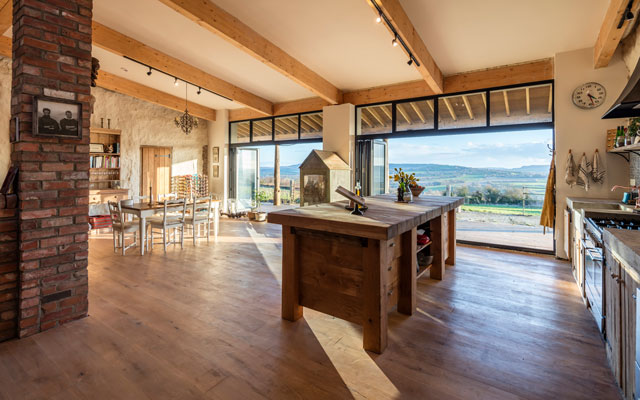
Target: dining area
pixel 143 222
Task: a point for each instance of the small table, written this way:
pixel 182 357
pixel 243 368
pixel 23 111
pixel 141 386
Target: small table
pixel 144 210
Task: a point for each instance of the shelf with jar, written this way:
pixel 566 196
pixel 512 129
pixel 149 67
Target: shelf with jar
pixel 104 158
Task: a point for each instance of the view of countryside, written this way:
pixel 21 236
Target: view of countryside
pixel 502 177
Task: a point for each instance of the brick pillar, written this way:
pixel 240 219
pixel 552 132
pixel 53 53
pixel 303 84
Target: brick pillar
pixel 51 57
pixel 8 266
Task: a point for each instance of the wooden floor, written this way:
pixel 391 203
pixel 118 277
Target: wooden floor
pixel 204 322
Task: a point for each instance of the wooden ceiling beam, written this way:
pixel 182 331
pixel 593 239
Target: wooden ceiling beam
pixel 216 20
pixel 122 45
pixel 550 106
pixel 506 103
pixel 419 113
pixel 484 99
pixel 517 74
pixel 528 100
pixel 609 36
pixel 402 24
pixel 6 15
pixel 134 89
pixel 404 114
pixel 451 111
pixel 467 105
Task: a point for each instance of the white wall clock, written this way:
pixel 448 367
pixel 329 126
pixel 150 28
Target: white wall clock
pixel 589 95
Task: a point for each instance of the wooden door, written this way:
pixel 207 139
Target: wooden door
pixel 156 171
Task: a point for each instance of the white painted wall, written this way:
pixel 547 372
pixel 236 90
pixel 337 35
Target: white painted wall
pixel 585 130
pixel 146 124
pixel 338 132
pixel 218 135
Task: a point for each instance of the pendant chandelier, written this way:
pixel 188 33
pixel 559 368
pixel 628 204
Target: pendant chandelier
pixel 186 122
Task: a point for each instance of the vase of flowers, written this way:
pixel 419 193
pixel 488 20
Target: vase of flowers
pixel 407 185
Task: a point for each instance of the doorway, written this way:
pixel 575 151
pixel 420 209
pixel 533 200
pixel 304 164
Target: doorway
pixel 156 171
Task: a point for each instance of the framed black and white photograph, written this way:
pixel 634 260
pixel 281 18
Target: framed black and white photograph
pixel 57 117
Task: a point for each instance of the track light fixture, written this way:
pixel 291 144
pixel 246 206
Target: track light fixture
pixel 175 82
pixel 149 73
pixel 396 39
pixel 199 89
pixel 394 42
pixel 379 19
pixel 410 61
pixel 626 15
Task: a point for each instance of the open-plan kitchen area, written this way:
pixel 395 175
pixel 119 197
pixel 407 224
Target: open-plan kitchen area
pixel 364 199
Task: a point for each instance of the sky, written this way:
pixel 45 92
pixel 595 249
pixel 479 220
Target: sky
pixel 493 150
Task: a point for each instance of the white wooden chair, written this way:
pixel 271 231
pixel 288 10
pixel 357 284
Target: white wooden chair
pixel 171 220
pixel 167 196
pixel 120 227
pixel 200 215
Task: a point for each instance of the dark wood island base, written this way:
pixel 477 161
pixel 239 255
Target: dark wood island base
pixel 358 268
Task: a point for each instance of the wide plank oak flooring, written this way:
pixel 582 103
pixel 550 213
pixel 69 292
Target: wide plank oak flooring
pixel 204 323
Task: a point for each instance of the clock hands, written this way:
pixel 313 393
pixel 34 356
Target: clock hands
pixel 591 97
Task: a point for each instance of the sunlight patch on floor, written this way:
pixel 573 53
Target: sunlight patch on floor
pixel 267 248
pixel 353 364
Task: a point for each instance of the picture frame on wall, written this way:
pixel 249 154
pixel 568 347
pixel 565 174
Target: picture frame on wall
pixel 55 117
pixel 216 171
pixel 215 154
pixel 14 130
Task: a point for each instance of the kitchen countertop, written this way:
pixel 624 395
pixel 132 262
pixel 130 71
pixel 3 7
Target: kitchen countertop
pixel 626 243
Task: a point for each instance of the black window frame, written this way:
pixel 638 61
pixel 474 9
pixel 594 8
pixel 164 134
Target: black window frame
pixel 437 131
pixel 273 140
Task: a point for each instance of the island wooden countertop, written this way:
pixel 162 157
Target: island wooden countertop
pixel 384 219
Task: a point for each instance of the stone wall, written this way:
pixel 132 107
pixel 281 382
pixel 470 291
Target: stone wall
pixel 146 124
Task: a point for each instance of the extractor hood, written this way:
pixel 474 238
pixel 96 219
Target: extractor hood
pixel 628 104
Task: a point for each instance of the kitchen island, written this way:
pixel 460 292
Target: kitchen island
pixel 358 267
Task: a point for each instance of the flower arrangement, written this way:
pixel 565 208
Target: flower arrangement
pixel 406 182
pixel 634 126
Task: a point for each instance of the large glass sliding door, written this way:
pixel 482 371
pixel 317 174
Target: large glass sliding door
pixel 247 177
pixel 372 167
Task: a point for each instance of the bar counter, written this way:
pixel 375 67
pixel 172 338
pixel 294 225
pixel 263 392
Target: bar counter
pixel 358 267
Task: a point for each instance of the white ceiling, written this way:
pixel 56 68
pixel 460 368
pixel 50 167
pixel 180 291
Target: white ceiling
pixel 339 39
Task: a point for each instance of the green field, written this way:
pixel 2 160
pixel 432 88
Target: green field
pixel 500 209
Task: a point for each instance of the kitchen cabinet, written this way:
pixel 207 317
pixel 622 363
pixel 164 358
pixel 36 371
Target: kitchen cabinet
pixel 612 320
pixel 577 258
pixel 621 284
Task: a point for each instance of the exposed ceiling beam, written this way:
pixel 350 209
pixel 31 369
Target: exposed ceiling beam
pixel 506 103
pixel 465 99
pixel 123 45
pixel 405 29
pixel 134 89
pixel 430 104
pixel 534 71
pixel 376 115
pixel 528 100
pixel 386 111
pixel 6 15
pixel 550 107
pixel 419 113
pixel 225 25
pixel 6 44
pixel 366 120
pixel 451 112
pixel 404 114
pixel 610 35
pixel 484 100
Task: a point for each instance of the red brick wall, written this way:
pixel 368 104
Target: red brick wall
pixel 51 57
pixel 8 266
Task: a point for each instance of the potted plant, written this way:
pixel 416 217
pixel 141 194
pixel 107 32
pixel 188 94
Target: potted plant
pixel 407 185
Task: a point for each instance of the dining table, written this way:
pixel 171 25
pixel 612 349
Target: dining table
pixel 145 210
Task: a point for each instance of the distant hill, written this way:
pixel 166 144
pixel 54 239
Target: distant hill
pixel 437 177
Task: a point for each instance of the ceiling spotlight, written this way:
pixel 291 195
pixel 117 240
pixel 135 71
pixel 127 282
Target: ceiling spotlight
pixel 149 73
pixel 379 19
pixel 175 83
pixel 394 42
pixel 629 15
pixel 410 61
pixel 199 90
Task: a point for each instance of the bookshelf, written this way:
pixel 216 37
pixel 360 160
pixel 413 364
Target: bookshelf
pixel 104 172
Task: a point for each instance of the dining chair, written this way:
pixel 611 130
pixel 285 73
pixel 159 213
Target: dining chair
pixel 133 218
pixel 167 196
pixel 200 214
pixel 120 227
pixel 172 218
